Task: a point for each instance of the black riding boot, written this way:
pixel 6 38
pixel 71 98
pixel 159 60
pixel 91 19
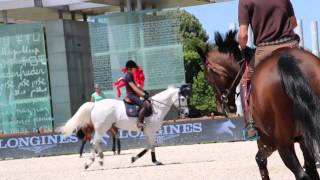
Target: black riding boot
pixel 251 131
pixel 142 112
pixel 140 123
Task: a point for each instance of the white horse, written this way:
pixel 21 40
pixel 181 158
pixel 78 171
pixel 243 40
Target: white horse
pixel 107 112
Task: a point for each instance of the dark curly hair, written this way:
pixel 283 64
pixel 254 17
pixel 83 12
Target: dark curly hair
pixel 131 64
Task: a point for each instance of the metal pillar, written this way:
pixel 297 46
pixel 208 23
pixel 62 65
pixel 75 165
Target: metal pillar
pixel 5 17
pixel 84 17
pixel 315 39
pixel 299 31
pixel 73 15
pixel 121 7
pixel 60 14
pixel 139 5
pixel 129 6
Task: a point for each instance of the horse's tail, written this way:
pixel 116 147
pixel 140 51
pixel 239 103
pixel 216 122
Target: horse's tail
pixel 305 101
pixel 82 115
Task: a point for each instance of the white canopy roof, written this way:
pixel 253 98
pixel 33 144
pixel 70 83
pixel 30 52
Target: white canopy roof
pixel 17 10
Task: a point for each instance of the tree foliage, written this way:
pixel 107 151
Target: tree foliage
pixel 193 35
pixel 202 95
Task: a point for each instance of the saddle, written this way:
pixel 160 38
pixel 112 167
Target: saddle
pixel 132 110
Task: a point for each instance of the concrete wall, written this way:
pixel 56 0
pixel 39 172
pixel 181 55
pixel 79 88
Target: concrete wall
pixel 79 62
pixel 70 67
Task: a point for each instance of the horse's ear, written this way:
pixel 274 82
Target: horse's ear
pixel 231 37
pixel 219 41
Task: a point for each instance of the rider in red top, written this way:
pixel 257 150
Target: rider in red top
pixel 138 76
pixel 135 91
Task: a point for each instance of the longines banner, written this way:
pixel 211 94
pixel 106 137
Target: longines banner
pixel 187 132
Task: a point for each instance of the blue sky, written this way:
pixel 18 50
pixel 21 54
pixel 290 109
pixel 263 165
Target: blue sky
pixel 219 16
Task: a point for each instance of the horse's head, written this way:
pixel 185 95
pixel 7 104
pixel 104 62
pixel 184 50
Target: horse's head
pixel 180 99
pixel 222 64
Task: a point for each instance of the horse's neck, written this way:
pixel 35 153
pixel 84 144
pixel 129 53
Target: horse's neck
pixel 163 103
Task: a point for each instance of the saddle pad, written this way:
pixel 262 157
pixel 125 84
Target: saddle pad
pixel 132 110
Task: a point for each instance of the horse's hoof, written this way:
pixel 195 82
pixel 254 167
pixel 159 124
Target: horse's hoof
pixel 133 159
pixel 157 163
pixel 114 153
pixel 101 163
pixel 118 152
pixel 86 166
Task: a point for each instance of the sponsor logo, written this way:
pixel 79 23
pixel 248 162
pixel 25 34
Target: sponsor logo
pixel 40 143
pixel 166 132
pixel 36 144
pixel 225 127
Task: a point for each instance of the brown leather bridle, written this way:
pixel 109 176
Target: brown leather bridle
pixel 225 95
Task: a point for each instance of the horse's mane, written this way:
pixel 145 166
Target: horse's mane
pixel 228 44
pixel 226 53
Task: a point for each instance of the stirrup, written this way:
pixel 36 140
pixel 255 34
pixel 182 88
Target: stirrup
pixel 140 125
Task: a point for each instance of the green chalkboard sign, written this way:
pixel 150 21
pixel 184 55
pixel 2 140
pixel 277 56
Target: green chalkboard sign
pixel 24 86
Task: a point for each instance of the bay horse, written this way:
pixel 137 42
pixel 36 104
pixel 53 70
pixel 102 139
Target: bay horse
pixel 284 101
pixel 85 134
pixel 107 112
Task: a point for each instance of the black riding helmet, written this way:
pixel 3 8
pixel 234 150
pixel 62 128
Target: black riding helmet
pixel 131 64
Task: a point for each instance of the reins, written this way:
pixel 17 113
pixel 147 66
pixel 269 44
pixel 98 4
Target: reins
pixel 159 102
pixel 151 99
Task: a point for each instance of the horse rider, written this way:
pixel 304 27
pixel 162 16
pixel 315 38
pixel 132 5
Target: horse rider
pixel 134 93
pixel 272 23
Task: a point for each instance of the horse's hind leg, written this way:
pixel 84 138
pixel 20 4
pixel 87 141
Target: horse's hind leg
pixel 97 143
pixel 119 145
pixel 310 163
pixel 92 158
pixel 114 144
pixel 261 158
pixel 290 159
pixel 96 148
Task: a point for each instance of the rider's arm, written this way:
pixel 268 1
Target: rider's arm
pixel 243 18
pixel 243 36
pixel 136 89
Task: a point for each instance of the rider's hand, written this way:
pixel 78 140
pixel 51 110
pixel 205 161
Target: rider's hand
pixel 245 53
pixel 145 95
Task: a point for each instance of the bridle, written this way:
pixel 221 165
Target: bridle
pixel 179 102
pixel 180 106
pixel 225 95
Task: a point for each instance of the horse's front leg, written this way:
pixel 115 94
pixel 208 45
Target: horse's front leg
pixel 143 152
pixel 150 138
pixel 153 157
